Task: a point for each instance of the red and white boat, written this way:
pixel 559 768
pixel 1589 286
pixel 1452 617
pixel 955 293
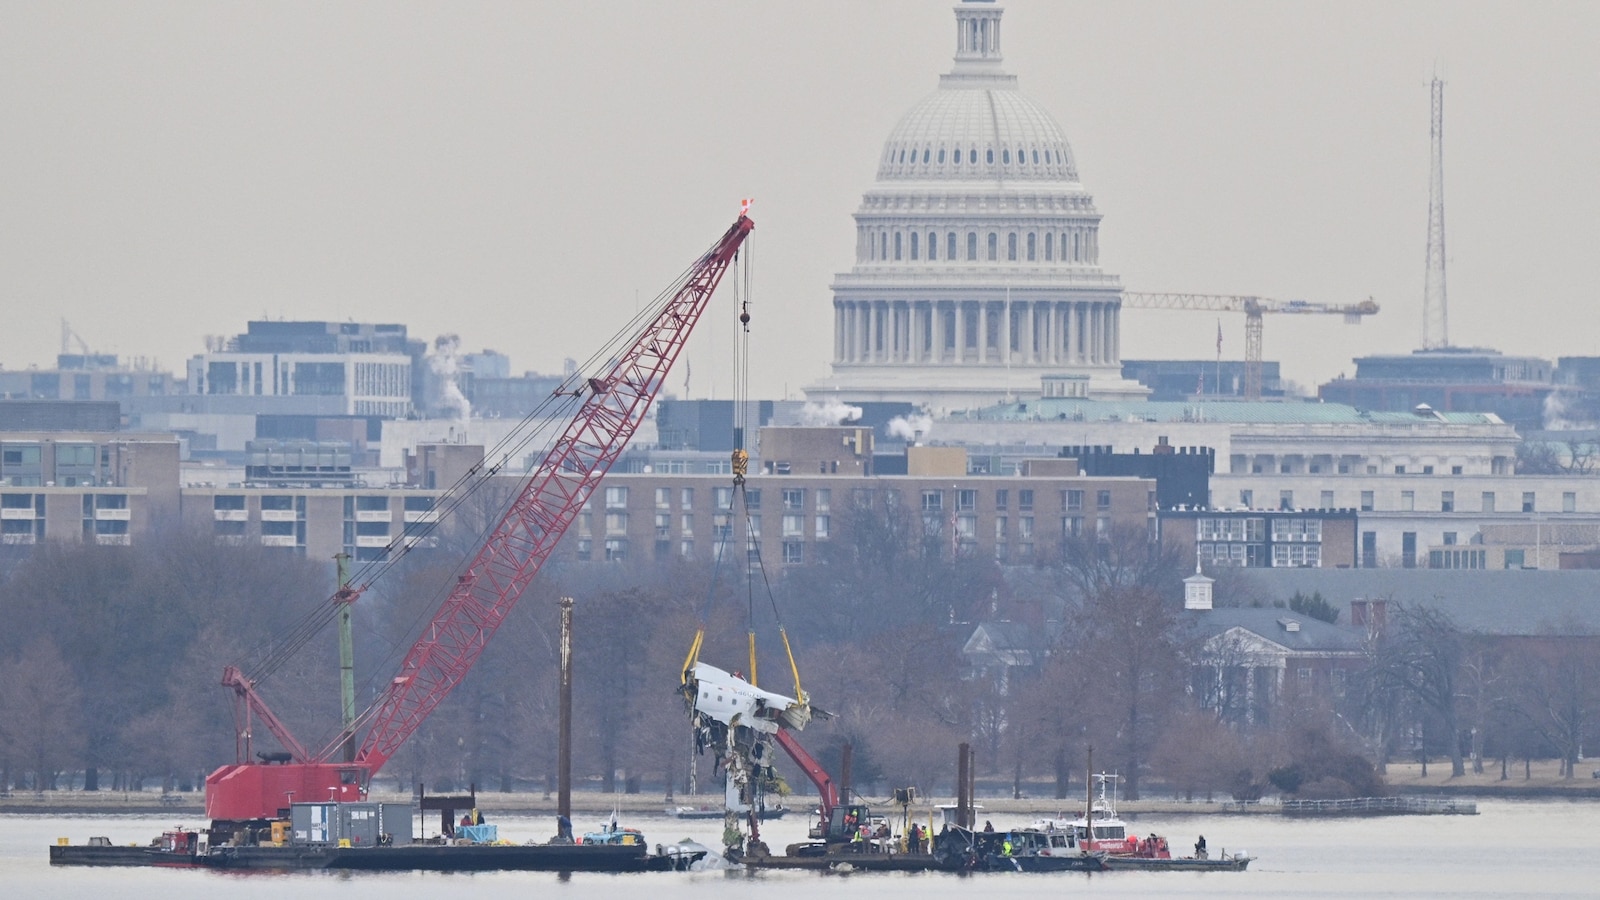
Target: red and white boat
pixel 1111 834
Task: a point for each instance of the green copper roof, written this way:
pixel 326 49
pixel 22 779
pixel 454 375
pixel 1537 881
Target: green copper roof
pixel 1232 412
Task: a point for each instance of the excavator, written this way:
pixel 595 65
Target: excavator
pixel 609 402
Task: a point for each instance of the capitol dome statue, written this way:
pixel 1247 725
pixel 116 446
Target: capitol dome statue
pixel 977 275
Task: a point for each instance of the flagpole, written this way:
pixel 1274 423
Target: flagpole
pixel 1219 357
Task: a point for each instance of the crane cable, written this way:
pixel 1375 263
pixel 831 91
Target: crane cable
pixel 739 497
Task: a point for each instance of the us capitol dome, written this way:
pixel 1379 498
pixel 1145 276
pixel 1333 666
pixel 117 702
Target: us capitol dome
pixel 977 276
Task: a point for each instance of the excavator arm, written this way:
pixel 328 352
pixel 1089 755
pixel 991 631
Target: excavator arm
pixel 826 789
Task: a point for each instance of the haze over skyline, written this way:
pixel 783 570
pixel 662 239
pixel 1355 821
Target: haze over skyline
pixel 518 174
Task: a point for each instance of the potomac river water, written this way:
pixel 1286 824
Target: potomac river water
pixel 1533 848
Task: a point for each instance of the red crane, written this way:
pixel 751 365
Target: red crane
pixel 490 584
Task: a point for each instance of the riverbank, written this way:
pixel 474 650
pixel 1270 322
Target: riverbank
pixel 1541 780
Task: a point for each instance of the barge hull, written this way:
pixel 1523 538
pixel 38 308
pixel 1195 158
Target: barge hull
pixel 427 857
pixel 1146 864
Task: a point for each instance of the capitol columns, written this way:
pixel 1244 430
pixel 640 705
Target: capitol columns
pixel 1031 310
pixel 840 341
pixel 869 352
pixel 961 332
pixel 1116 332
pixel 983 332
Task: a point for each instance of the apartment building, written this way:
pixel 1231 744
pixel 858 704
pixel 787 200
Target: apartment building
pixel 103 487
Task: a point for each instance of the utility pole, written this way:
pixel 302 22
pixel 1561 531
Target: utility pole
pixel 564 739
pixel 1435 310
pixel 347 657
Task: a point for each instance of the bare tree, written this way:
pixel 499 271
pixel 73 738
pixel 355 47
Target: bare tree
pixel 1557 691
pixel 41 729
pixel 1122 657
pixel 1420 653
pixel 1484 690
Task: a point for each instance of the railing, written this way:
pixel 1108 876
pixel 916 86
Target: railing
pixel 1379 806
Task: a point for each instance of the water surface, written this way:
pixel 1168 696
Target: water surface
pixel 1545 848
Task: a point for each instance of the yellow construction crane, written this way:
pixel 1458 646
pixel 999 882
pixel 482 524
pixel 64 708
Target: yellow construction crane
pixel 1253 309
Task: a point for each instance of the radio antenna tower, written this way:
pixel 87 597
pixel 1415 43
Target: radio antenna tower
pixel 1435 310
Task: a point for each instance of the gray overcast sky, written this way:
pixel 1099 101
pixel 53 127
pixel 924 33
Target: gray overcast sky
pixel 518 173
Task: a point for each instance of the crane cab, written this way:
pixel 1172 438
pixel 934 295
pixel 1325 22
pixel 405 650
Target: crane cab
pixel 844 821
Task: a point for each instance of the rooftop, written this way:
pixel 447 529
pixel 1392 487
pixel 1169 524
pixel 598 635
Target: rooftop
pixel 1512 602
pixel 1231 412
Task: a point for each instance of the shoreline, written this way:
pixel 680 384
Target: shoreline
pixel 1405 779
pixel 57 804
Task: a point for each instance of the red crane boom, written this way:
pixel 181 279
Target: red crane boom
pixel 492 582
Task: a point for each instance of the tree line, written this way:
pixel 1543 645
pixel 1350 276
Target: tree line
pixel 109 670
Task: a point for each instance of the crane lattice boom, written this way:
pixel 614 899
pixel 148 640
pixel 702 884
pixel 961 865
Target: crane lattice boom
pixel 491 583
